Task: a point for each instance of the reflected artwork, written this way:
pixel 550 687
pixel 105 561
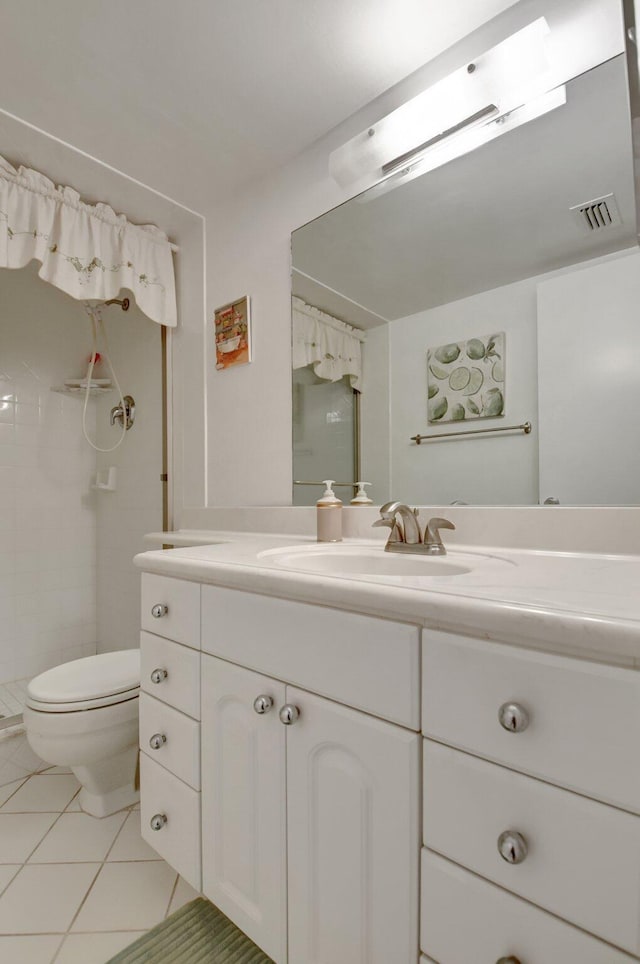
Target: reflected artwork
pixel 465 379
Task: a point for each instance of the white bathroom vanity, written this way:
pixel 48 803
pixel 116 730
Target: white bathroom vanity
pixel 362 765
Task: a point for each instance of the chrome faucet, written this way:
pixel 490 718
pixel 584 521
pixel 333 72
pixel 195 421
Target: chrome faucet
pixel 405 535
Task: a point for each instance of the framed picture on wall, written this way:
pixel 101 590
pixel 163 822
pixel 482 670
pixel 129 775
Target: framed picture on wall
pixel 465 379
pixel 232 325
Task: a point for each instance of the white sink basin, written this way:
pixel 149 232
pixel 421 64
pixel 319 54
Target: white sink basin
pixel 345 560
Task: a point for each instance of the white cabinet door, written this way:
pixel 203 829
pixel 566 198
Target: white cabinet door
pixel 243 802
pixel 353 836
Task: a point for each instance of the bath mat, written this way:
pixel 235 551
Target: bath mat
pixel 198 933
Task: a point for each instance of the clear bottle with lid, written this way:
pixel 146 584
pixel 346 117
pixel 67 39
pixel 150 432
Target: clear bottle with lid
pixel 329 515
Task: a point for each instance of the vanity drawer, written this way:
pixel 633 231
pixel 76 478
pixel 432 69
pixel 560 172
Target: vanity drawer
pixel 583 860
pixel 180 753
pixel 584 718
pixel 466 919
pixel 178 839
pixel 180 687
pixel 176 604
pixel 368 663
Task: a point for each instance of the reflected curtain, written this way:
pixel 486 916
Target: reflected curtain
pixel 88 251
pixel 330 346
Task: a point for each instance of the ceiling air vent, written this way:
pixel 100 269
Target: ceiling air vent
pixel 595 215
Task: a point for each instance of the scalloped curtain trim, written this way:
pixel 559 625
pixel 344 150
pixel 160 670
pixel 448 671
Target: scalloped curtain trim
pixel 330 346
pixel 88 251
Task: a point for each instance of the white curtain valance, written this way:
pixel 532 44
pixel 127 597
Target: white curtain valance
pixel 330 346
pixel 86 250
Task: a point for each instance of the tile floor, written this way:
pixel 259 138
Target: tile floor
pixel 17 759
pixel 74 889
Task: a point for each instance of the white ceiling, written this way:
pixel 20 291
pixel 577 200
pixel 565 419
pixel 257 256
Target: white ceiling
pixel 487 219
pixel 196 97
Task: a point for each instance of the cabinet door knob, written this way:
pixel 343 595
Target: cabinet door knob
pixel 508 960
pixel 262 704
pixel 289 714
pixel 158 821
pixel 513 717
pixel 512 847
pixel 158 675
pixel 157 740
pixel 159 610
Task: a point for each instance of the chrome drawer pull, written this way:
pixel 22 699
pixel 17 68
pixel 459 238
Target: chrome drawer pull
pixel 289 714
pixel 512 847
pixel 262 704
pixel 159 675
pixel 157 740
pixel 158 821
pixel 159 610
pixel 513 717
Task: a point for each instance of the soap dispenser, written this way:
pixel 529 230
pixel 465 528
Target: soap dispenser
pixel 329 515
pixel 361 497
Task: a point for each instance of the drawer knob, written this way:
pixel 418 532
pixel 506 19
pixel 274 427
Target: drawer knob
pixel 512 847
pixel 158 821
pixel 508 960
pixel 157 740
pixel 262 704
pixel 289 714
pixel 158 675
pixel 513 717
pixel 159 610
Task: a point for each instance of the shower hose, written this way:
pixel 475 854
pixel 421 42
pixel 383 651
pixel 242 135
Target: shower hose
pixel 98 329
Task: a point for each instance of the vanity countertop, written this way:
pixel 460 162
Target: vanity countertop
pixel 579 604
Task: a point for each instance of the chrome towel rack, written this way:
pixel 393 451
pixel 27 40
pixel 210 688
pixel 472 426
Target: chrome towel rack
pixel 525 428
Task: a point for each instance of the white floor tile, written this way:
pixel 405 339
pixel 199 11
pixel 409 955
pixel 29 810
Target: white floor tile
pixel 9 789
pixel 78 837
pixel 129 844
pixel 126 896
pixel 42 794
pixel 43 899
pixel 95 948
pixel 184 892
pixel 7 873
pixel 29 950
pixel 20 834
pixel 74 806
pixel 54 770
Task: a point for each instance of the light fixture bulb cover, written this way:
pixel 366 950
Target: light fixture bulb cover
pixel 507 76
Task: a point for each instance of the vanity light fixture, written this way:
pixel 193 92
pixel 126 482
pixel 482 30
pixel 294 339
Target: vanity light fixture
pixel 466 142
pixel 456 110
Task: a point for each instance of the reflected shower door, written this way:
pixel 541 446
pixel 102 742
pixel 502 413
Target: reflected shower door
pixel 325 435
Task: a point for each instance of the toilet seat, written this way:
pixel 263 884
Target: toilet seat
pixel 87 684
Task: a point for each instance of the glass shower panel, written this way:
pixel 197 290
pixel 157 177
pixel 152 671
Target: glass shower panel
pixel 324 435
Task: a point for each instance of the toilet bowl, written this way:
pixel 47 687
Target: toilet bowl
pixel 84 715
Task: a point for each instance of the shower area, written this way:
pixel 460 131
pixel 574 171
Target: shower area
pixel 77 491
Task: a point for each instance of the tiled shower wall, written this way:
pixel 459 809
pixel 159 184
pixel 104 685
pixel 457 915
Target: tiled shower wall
pixel 68 587
pixel 47 509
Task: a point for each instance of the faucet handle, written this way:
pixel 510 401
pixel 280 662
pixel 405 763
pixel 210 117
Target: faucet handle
pixel 432 537
pixel 396 534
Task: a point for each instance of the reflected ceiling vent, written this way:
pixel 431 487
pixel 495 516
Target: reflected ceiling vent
pixel 595 215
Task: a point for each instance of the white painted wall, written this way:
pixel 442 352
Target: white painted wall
pixel 47 510
pixel 124 516
pixel 589 361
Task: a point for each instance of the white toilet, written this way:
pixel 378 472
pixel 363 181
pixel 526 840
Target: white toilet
pixel 84 715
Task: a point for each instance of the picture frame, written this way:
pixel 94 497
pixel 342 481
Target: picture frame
pixel 232 334
pixel 466 379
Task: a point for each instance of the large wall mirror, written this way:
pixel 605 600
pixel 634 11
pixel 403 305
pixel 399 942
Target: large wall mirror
pixel 483 295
